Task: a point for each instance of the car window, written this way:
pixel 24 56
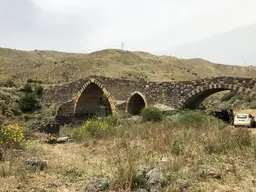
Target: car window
pixel 241 116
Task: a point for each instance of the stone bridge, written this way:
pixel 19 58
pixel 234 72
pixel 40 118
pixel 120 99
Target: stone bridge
pixel 107 95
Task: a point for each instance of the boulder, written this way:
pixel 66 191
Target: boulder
pixel 98 185
pixel 183 185
pixel 155 179
pixel 209 173
pixel 35 164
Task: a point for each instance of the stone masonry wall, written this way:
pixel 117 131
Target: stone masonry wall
pixel 168 93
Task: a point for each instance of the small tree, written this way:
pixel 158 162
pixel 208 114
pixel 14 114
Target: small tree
pixel 29 102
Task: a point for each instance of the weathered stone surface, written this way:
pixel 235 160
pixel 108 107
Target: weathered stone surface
pixel 98 185
pixel 35 164
pixel 1 154
pixel 171 94
pixel 155 179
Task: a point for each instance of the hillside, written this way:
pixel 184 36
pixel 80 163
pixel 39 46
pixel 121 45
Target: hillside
pixel 59 67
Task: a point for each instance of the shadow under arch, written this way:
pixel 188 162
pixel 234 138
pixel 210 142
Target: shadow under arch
pixel 194 98
pixel 136 103
pixel 93 100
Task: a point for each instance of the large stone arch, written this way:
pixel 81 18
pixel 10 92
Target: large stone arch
pixel 93 100
pixel 136 102
pixel 195 97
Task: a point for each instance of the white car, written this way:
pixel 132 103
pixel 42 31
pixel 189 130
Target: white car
pixel 244 120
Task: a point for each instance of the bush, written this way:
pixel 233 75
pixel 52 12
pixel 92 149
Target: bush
pixel 228 96
pixel 177 146
pixel 92 128
pixel 111 120
pixel 11 136
pixel 29 102
pixel 191 118
pixel 151 114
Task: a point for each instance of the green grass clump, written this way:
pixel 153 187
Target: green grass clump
pixel 151 114
pixel 190 118
pixel 92 129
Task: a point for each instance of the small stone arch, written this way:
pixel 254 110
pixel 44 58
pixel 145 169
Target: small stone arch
pixel 195 97
pixel 93 95
pixel 136 103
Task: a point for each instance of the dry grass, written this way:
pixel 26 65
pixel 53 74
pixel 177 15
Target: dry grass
pixel 181 151
pixel 57 67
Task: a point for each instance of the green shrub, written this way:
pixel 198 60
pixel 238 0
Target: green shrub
pixel 111 120
pixel 29 102
pixel 191 118
pixel 92 128
pixel 177 146
pixel 151 114
pixel 171 113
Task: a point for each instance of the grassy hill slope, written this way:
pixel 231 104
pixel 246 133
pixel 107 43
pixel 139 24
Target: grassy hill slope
pixel 59 67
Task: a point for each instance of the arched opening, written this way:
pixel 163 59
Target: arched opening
pixel 196 97
pixel 194 101
pixel 136 103
pixel 92 102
